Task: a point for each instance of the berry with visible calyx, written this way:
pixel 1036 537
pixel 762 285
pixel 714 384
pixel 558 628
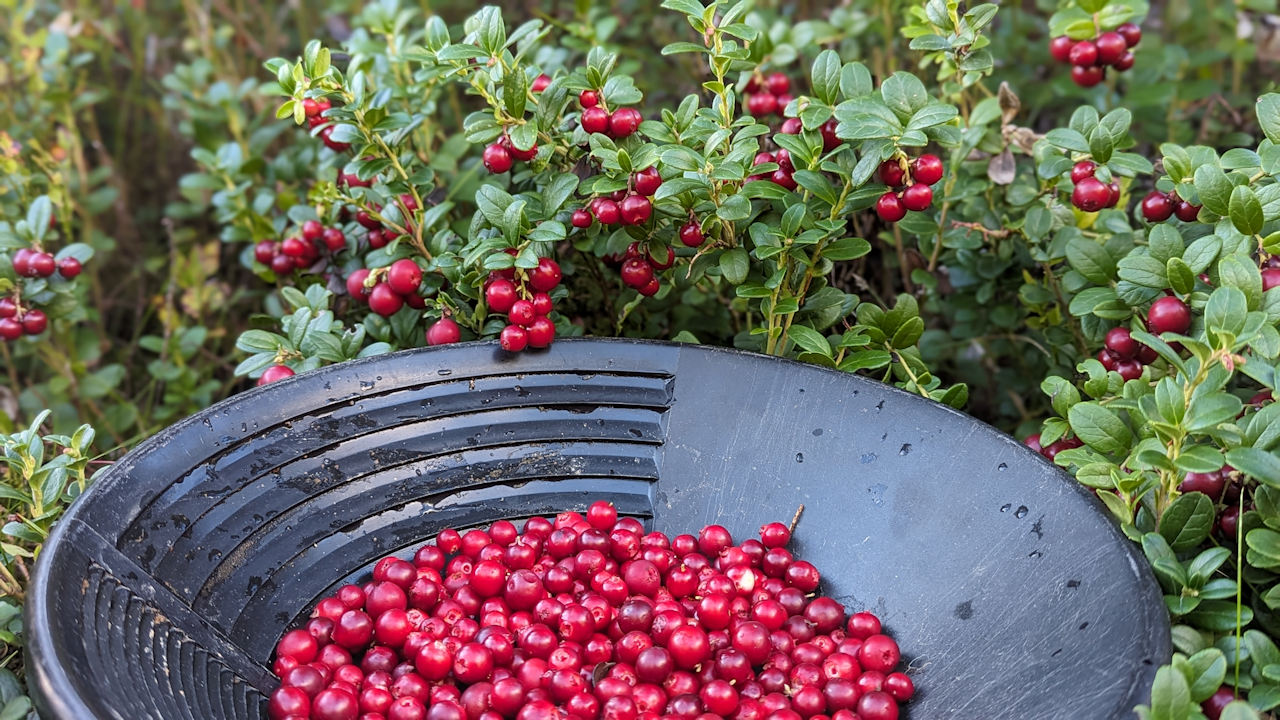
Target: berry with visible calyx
pixel 581 218
pixel 69 267
pixel 1081 170
pixel 541 332
pixel 34 322
pixel 1186 212
pixel 892 174
pixel 1125 62
pixel 1111 47
pixel 647 181
pixel 540 83
pixel 385 301
pixel 691 234
pixel 595 120
pixel 1087 76
pixel 762 104
pixel 890 208
pixel 1090 195
pixel 607 211
pixel 791 126
pixel 1084 54
pixel 545 276
pixel 918 197
pixel 10 329
pixel 443 332
pixel 1157 207
pixel 1060 48
pixel 636 272
pixel 926 169
pixel 497 159
pixel 636 209
pixel 1270 278
pixel 1168 314
pixel 777 83
pixel 624 122
pixel 513 338
pixel 1131 33
pixel 501 295
pixel 1121 342
pixel 404 276
pixel 275 373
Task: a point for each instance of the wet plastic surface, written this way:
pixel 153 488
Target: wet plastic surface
pixel 1011 593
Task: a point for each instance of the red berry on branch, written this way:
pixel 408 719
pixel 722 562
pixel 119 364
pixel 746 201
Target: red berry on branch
pixel 607 211
pixel 784 178
pixel 761 104
pixel 1090 195
pixel 918 197
pixel 1111 47
pixel 830 141
pixel 1270 278
pixel 282 264
pixel 1125 62
pixel 1186 212
pixel 1131 33
pixel 647 181
pixel 367 220
pixel 521 312
pixel 546 275
pixel 541 332
pixel 890 208
pixel 926 169
pixel 595 120
pixel 636 209
pixel 691 234
pixel 497 159
pixel 41 264
pixel 791 126
pixel 518 154
pixel 1113 199
pixel 513 338
pixel 334 239
pixel 1157 207
pixel 892 174
pixel 384 300
pixel 10 329
pixel 636 272
pixel 588 98
pixel 1168 314
pixel 1081 170
pixel 34 322
pixel 22 262
pixel 1110 361
pixel 404 276
pixel 1129 369
pixel 312 230
pixel 540 83
pixel 443 332
pixel 8 308
pixel 651 288
pixel 69 267
pixel 377 239
pixel 1084 54
pixel 274 373
pixel 542 303
pixel 1121 342
pixel 1087 76
pixel 326 136
pixel 1060 48
pixel 624 122
pixel 500 295
pixel 777 83
pixel 581 218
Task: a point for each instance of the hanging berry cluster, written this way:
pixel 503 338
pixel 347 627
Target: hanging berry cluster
pixel 386 290
pixel 1159 206
pixel 524 297
pixel 910 186
pixel 1091 194
pixel 621 123
pixel 1090 58
pixel 302 251
pixel 768 95
pixel 19 317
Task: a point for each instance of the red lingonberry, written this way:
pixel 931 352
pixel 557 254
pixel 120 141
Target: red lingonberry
pixel 69 267
pixel 385 301
pixel 274 373
pixel 326 136
pixel 607 211
pixel 404 276
pixel 1111 47
pixel 1060 48
pixel 926 169
pixel 636 209
pixel 791 126
pixel 1090 195
pixel 1131 33
pixel 588 98
pixel 8 308
pixel 652 287
pixel 892 174
pixel 540 83
pixel 541 332
pixel 1084 54
pixel 541 303
pixel 1121 342
pixel 521 312
pixel 636 272
pixel 501 295
pixel 1113 197
pixel 517 153
pixel 691 234
pixel 443 332
pixel 1186 212
pixel 1087 76
pixel 777 83
pixel 545 276
pixel 784 178
pixel 34 322
pixel 312 230
pixel 355 285
pixel 647 181
pixel 1168 314
pixel 595 120
pixel 334 239
pixel 624 122
pixel 1081 170
pixel 917 197
pixel 762 104
pixel 497 159
pixel 41 264
pixel 890 208
pixel 1157 207
pixel 1270 278
pixel 513 338
pixel 10 329
pixel 1125 62
pixel 581 218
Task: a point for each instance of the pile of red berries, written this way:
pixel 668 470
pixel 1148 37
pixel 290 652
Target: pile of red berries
pixel 768 95
pixel 526 303
pixel 500 156
pixel 589 618
pixel 1089 59
pixel 314 110
pixel 625 207
pixel 1091 194
pixel 386 290
pixel 1159 206
pixel 621 123
pixel 909 186
pixel 300 251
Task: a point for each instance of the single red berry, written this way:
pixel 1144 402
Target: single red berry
pixel 1186 212
pixel 1157 207
pixel 355 285
pixel 1090 195
pixel 521 312
pixel 34 322
pixel 542 304
pixel 1131 33
pixel 443 332
pixel 22 261
pixel 1210 483
pixel 1125 62
pixel 326 136
pixel 1113 198
pixel 288 703
pixel 1168 314
pixel 595 120
pixel 1129 369
pixel 497 159
pixel 1060 48
pixel 8 308
pixel 668 259
pixel 282 264
pixel 624 122
pixel 918 197
pixel 647 181
pixel 312 230
pixel 1121 342
pixel 777 83
pixel 541 332
pixel 691 234
pixel 384 300
pixel 636 272
pixel 334 704
pixel 1229 521
pixel 367 220
pixel 784 178
pixel 377 238
pixel 636 209
pixel 546 275
pixel 877 705
pixel 1081 170
pixel 791 126
pixel 404 276
pixel 10 329
pixel 581 218
pixel 500 295
pixel 762 104
pixel 1111 47
pixel 608 212
pixel 775 534
pixel 890 208
pixel 1087 76
pixel 310 107
pixel 334 239
pixel 588 98
pixel 652 287
pixel 1270 278
pixel 926 169
pixel 274 373
pixel 892 174
pixel 1084 54
pixel 1110 361
pixel 513 338
pixel 1033 442
pixel 69 267
pixel 540 83
pixel 41 264
pixel 293 247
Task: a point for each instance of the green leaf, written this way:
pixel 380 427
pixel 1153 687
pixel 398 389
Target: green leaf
pixel 1090 259
pixel 734 265
pixel 1101 143
pixel 1187 521
pixel 1245 210
pixel 1214 188
pixel 904 94
pixel 855 80
pixel 1209 670
pixel 931 115
pixel 1268 109
pixel 826 76
pixel 1170 695
pixel 1143 270
pixel 1238 710
pixel 39 216
pixel 1225 311
pixel 810 340
pixel 1099 428
pixel 1259 464
pixel 1062 394
pixel 1067 139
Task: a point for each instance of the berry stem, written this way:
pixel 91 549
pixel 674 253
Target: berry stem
pixel 795 519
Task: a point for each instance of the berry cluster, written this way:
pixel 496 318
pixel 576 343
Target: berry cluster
pixel 1159 206
pixel 1091 194
pixel 386 290
pixel 500 156
pixel 526 303
pixel 1222 487
pixel 625 207
pixel 588 618
pixel 909 186
pixel 793 126
pixel 621 123
pixel 768 95
pixel 784 176
pixel 639 268
pixel 1090 58
pixel 16 319
pixel 1125 355
pixel 301 251
pixel 314 110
